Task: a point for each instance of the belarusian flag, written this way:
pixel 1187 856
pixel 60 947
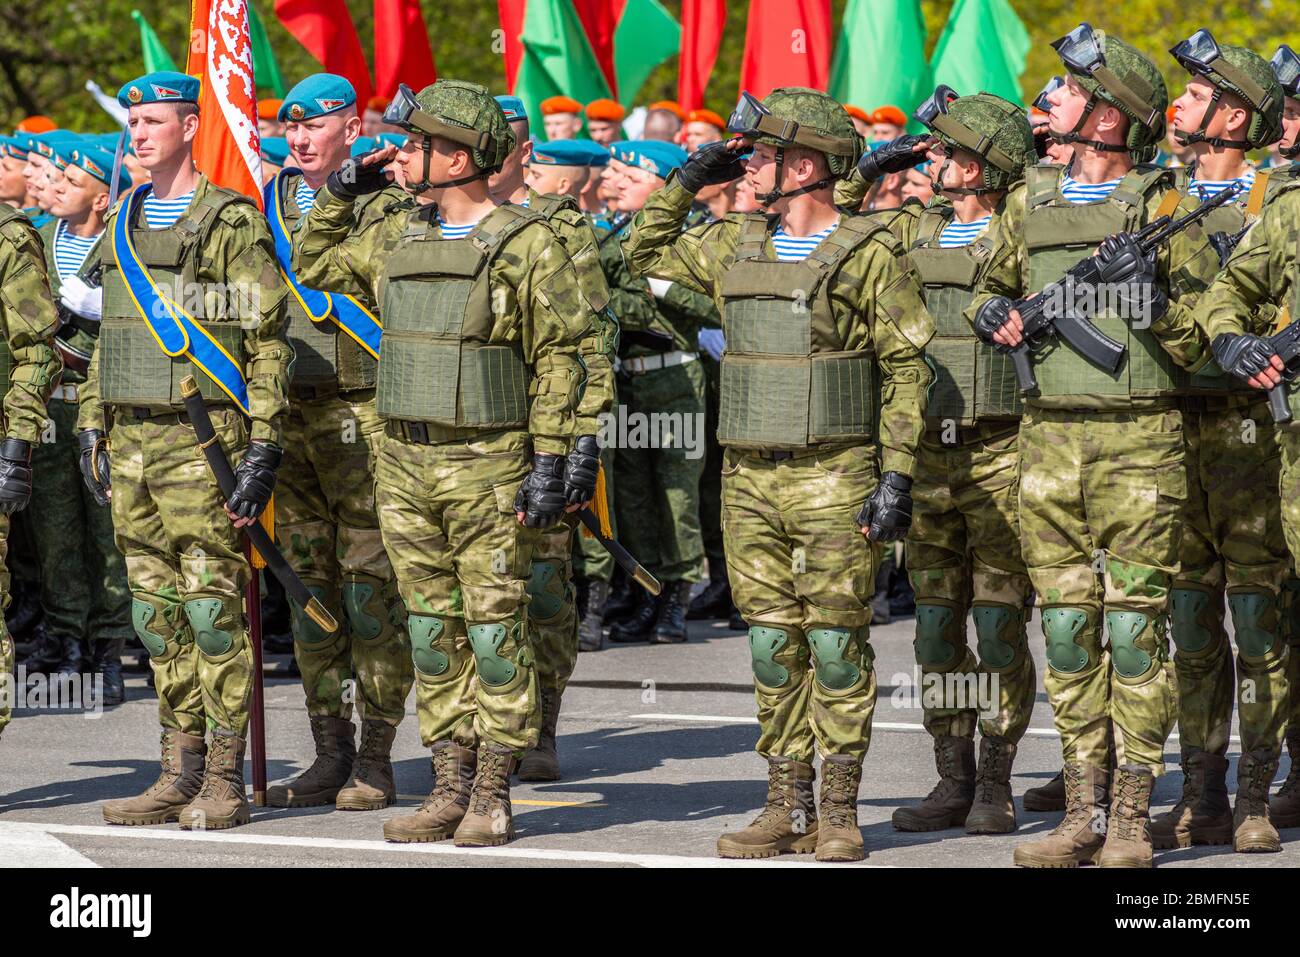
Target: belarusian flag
pixel 983 48
pixel 156 57
pixel 880 56
pixel 227 147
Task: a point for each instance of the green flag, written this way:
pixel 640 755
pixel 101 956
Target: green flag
pixel 266 72
pixel 155 54
pixel 646 35
pixel 982 48
pixel 880 56
pixel 558 60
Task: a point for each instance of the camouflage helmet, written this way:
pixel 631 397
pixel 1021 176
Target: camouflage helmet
pixel 464 113
pixel 1120 75
pixel 1242 72
pixel 808 118
pixel 992 128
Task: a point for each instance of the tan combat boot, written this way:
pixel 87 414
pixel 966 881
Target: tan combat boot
pixel 993 812
pixel 542 763
pixel 320 783
pixel 838 836
pixel 176 787
pixel 1128 836
pixel 1080 835
pixel 1252 831
pixel 442 810
pixel 370 786
pixel 1203 814
pixel 950 801
pixel 221 802
pixel 489 821
pixel 1284 807
pixel 788 821
pixel 1046 797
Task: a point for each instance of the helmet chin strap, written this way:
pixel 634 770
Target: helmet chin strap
pixel 770 197
pixel 938 186
pixel 1292 151
pixel 424 185
pixel 1190 139
pixel 1074 135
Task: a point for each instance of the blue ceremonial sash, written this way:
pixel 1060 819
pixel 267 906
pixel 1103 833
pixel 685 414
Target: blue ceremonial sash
pixel 176 331
pixel 346 312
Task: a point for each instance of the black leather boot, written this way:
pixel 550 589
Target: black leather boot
pixel 670 626
pixel 641 624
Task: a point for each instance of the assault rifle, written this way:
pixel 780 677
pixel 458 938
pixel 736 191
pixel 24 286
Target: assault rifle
pixel 1286 346
pixel 1094 345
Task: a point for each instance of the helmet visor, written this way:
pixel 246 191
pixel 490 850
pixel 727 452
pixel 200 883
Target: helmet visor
pixel 1041 101
pixel 1197 52
pixel 1079 49
pixel 404 112
pixel 1286 67
pixel 935 106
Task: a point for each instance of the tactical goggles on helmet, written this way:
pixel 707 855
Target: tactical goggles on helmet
pixel 1200 55
pixel 1041 101
pixel 406 113
pixel 1080 51
pixel 752 119
pixel 933 115
pixel 1286 67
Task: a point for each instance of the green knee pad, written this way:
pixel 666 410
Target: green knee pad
pixel 938 634
pixel 154 623
pixel 1061 626
pixel 486 640
pixel 765 643
pixel 433 645
pixel 1254 622
pixel 834 671
pixel 1193 618
pixel 999 635
pixel 304 627
pixel 548 590
pixel 214 638
pixel 368 603
pixel 1126 629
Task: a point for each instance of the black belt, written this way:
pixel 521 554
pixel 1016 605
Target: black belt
pixel 142 412
pixel 416 433
pixel 776 455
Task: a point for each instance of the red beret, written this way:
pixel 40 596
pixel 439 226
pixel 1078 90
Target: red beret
pixel 857 112
pixel 672 106
pixel 706 116
pixel 889 114
pixel 603 109
pixel 560 104
pixel 268 109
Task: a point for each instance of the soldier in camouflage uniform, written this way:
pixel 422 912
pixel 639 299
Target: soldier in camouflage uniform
pixel 479 382
pixel 1103 483
pixel 325 507
pixel 964 546
pixel 28 367
pixel 72 534
pixel 824 318
pixel 1232 538
pixel 209 251
pixel 1257 291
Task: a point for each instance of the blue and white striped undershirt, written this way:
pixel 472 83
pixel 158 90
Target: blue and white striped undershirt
pixel 793 249
pixel 1207 189
pixel 304 196
pixel 163 213
pixel 957 234
pixel 70 251
pixel 1077 192
pixel 458 231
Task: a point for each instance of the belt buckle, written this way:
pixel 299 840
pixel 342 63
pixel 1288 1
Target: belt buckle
pixel 141 412
pixel 418 433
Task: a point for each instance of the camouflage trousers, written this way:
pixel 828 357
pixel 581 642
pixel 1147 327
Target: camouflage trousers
pixel 9 689
pixel 1102 497
pixel 659 488
pixel 1232 539
pixel 327 527
pixel 552 609
pixel 185 567
pixel 802 575
pixel 963 556
pixel 83 578
pixel 1288 440
pixel 462 563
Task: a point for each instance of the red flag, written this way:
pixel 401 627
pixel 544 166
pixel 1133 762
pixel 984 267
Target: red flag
pixel 787 43
pixel 402 53
pixel 512 28
pixel 702 24
pixel 325 28
pixel 599 19
pixel 227 148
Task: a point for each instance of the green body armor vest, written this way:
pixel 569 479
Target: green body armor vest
pixel 133 369
pixel 436 364
pixel 1058 234
pixel 1293 279
pixel 973 381
pixel 327 360
pixel 787 381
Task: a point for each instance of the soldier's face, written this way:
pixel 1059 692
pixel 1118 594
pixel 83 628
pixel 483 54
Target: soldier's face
pixel 13 185
pixel 760 169
pixel 634 188
pixel 561 126
pixel 549 179
pixel 1191 106
pixel 917 185
pixel 322 143
pixel 159 133
pixel 1290 123
pixel 74 197
pixel 267 128
pixel 603 132
pixel 34 168
pixel 512 169
pixel 1068 102
pixel 885 131
pixel 49 183
pixel 697 134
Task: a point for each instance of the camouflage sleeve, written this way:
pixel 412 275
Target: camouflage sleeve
pixel 656 245
pixel 29 323
pixel 851 191
pixel 1004 271
pixel 900 326
pixel 629 296
pixel 1190 263
pixel 242 255
pixel 556 318
pixel 689 311
pixel 334 252
pixel 1253 276
pixel 597 347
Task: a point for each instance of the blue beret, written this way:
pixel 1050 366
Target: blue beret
pixel 47 144
pixel 63 148
pixel 391 139
pixel 165 86
pixel 657 156
pixel 512 107
pixel 364 144
pixel 275 149
pixel 14 146
pixel 318 95
pixel 569 153
pixel 98 162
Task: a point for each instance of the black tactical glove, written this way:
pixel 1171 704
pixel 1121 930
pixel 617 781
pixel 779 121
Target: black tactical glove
pixel 15 475
pixel 541 495
pixel 992 316
pixel 255 479
pixel 893 157
pixel 709 165
pixel 580 470
pixel 1120 259
pixel 887 514
pixel 352 179
pixel 1242 356
pixel 94 463
pixel 1042 140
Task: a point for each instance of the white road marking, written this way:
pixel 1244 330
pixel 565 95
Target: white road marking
pixel 33 845
pixel 46 831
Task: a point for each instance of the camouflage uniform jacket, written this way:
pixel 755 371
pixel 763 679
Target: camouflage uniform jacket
pixel 30 319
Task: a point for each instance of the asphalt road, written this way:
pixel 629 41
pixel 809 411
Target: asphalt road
pixel 656 744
